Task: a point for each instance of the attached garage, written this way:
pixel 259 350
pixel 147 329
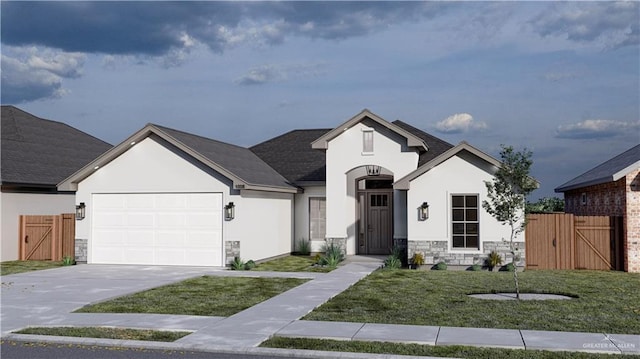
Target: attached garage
pixel 159 198
pixel 157 228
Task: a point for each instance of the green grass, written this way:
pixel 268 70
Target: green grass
pixel 107 333
pixel 14 267
pixel 206 295
pixel 604 301
pixel 292 264
pixel 425 350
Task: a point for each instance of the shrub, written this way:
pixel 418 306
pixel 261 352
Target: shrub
pixel 304 247
pixel 440 266
pixel 508 268
pixel 332 255
pixel 417 259
pixel 319 259
pixel 400 253
pixel 237 264
pixel 332 261
pixel 493 260
pixel 475 268
pixel 68 261
pixel 333 250
pixel 249 265
pixel 392 262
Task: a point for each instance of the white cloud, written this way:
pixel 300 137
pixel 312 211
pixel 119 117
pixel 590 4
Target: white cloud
pixel 260 75
pixel 458 123
pixel 31 73
pixel 596 128
pixel 609 24
pixel 277 73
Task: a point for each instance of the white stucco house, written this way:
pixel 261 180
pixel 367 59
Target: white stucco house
pixel 167 197
pixel 36 154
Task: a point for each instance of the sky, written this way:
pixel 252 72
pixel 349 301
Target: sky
pixel 561 79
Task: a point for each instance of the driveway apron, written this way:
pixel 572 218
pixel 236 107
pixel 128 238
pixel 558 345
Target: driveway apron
pixel 48 297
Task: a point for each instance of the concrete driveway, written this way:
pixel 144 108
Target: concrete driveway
pixel 46 297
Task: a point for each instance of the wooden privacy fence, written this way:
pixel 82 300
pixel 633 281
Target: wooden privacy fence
pixel 565 241
pixel 45 238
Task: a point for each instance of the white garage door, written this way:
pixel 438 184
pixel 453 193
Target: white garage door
pixel 157 228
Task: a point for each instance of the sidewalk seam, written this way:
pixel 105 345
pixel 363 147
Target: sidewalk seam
pixel 357 331
pixel 522 338
pixel 437 336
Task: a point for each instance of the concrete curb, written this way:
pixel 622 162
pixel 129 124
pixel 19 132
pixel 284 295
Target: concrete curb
pixel 138 344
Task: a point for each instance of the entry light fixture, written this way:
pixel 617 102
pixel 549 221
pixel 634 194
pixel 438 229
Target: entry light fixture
pixel 80 211
pixel 423 211
pixel 373 170
pixel 229 211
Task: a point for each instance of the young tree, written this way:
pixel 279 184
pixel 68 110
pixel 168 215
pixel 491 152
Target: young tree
pixel 507 196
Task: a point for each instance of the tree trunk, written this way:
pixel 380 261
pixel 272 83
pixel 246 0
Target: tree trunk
pixel 513 262
pixel 515 277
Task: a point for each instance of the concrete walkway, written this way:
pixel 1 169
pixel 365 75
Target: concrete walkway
pixel 47 298
pixel 479 337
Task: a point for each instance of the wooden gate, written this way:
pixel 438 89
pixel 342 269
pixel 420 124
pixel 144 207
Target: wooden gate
pixel 47 237
pixel 565 241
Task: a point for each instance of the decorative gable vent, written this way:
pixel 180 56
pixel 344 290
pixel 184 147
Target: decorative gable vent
pixel 373 170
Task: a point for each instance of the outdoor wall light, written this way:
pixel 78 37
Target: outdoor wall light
pixel 373 170
pixel 423 211
pixel 80 211
pixel 229 211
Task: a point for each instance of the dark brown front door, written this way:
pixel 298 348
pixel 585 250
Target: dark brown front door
pixel 376 222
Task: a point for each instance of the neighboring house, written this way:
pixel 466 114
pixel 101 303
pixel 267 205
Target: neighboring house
pixel 36 154
pixel 165 197
pixel 611 189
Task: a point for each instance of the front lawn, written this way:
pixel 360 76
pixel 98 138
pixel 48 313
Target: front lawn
pixel 13 267
pixel 455 351
pixel 206 295
pixel 108 333
pixel 292 264
pixel 604 301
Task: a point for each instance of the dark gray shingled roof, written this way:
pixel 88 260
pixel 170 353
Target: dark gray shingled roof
pixel 238 160
pixel 40 153
pixel 436 146
pixel 292 156
pixel 291 153
pixel 604 172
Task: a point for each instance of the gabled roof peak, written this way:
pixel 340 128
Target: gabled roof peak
pixel 238 164
pixel 404 183
pixel 322 143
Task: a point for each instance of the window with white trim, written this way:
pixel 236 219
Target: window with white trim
pixel 465 225
pixel 317 218
pixel 367 141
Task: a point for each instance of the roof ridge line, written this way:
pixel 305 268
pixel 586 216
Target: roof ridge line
pixel 161 127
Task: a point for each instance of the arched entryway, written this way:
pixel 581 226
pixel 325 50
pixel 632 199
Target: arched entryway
pixel 374 202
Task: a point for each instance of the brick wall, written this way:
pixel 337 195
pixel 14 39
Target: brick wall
pixel 619 198
pixel 607 199
pixel 632 222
